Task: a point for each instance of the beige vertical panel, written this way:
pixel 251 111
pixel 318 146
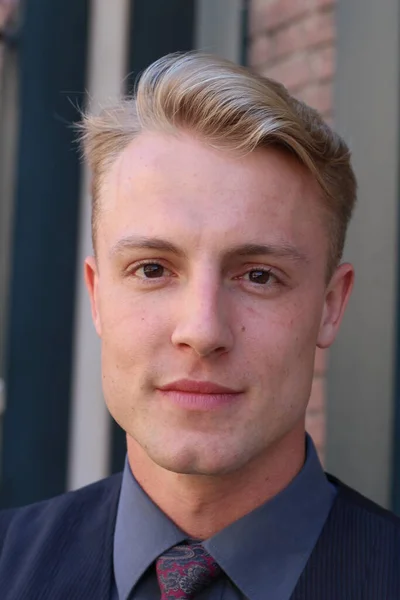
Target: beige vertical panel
pixel 90 423
pixel 361 365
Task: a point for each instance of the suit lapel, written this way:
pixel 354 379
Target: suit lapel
pixel 84 567
pixel 337 568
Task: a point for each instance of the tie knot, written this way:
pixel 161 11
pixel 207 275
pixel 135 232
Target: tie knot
pixel 185 570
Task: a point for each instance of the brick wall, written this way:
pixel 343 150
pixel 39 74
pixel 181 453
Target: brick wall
pixel 293 41
pixel 3 18
pixel 6 13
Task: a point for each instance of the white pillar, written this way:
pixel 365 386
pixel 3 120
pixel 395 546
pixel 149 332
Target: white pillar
pixel 89 440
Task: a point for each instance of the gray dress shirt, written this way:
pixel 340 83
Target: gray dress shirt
pixel 262 554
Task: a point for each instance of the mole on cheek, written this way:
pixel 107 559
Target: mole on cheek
pixel 243 328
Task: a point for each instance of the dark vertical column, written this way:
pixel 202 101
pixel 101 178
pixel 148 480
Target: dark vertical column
pixel 40 325
pixel 157 28
pixel 244 32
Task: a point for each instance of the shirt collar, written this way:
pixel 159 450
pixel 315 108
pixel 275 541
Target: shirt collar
pixel 142 533
pixel 263 553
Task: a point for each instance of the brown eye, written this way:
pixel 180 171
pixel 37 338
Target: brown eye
pixel 152 270
pixel 259 276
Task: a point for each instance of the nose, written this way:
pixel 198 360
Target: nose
pixel 203 321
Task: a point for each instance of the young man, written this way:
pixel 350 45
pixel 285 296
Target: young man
pixel 220 206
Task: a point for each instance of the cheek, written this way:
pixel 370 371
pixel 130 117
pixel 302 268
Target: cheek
pixel 132 327
pixel 282 336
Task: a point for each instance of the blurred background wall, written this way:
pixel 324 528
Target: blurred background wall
pixel 340 57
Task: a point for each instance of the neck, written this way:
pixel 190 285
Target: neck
pixel 203 505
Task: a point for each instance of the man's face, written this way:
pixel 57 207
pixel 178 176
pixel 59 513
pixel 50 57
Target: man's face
pixel 210 268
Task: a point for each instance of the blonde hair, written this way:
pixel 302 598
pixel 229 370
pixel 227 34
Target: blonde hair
pixel 232 108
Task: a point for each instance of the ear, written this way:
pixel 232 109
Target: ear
pixel 92 282
pixel 336 299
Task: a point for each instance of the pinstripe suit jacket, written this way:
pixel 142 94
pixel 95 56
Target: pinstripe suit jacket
pixel 61 549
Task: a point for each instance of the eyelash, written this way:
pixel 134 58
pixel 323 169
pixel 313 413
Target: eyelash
pixel 153 281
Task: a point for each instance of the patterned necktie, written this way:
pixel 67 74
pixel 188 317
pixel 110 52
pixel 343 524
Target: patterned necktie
pixel 185 570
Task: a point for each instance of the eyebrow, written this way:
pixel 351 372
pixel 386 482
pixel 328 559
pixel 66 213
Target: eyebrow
pixel 149 243
pixel 281 250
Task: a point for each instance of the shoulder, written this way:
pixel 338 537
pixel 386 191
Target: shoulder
pixel 351 500
pixel 55 548
pixel 57 513
pixel 357 553
pixel 360 527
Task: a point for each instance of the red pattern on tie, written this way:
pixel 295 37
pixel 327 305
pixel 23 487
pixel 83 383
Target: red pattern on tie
pixel 185 570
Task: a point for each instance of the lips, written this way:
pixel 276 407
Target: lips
pixel 197 387
pixel 198 395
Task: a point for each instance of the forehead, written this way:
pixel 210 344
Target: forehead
pixel 188 189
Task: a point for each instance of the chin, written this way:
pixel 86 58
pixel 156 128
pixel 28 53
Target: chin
pixel 195 461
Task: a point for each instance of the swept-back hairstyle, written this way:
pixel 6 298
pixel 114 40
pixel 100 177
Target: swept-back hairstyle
pixel 228 107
